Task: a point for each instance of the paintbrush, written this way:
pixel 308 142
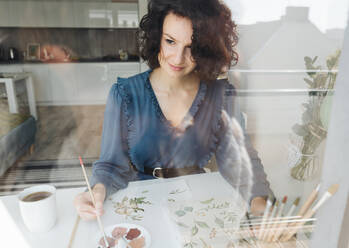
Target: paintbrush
pixel 94 203
pixel 309 201
pixel 277 219
pixel 289 214
pixel 293 207
pixel 330 192
pixel 270 221
pixel 265 216
pixel 307 204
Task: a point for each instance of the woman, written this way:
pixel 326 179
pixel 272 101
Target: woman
pixel 176 115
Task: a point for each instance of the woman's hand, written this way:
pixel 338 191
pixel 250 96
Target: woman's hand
pixel 84 206
pixel 258 206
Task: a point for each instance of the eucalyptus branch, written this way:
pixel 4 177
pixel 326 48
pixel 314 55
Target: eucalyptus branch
pixel 312 130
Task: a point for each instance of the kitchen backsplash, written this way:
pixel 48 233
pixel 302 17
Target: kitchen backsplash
pixel 80 43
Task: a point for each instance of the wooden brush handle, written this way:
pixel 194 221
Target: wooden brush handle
pixel 299 225
pixel 72 236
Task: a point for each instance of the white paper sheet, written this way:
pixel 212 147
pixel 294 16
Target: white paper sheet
pixel 143 204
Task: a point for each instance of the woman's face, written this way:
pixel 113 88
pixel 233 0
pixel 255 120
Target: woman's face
pixel 175 53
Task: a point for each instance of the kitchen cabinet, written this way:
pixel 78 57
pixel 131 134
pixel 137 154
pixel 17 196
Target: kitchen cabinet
pixel 124 70
pixel 142 8
pixel 106 15
pixel 58 14
pixel 69 14
pixel 4 14
pixel 143 66
pixel 11 68
pixel 91 82
pixel 26 14
pixel 41 81
pixel 74 83
pixel 124 15
pixel 94 80
pixel 92 15
pixel 63 83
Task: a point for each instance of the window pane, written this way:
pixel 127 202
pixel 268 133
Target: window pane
pixel 72 83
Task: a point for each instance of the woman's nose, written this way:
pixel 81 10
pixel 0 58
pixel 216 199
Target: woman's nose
pixel 179 56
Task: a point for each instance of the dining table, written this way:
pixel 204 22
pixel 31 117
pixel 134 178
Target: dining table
pixel 187 211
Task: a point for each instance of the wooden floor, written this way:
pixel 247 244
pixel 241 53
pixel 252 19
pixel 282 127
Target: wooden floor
pixel 66 132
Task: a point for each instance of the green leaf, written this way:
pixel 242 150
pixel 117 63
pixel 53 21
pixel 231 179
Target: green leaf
pixel 207 201
pixel 182 224
pixel 202 224
pixel 307 117
pixel 145 191
pixel 309 82
pixel 204 243
pixel 188 209
pixel 194 230
pixel 307 60
pixel 180 213
pixel 219 222
pixel 314 59
pixel 320 80
pixel 300 130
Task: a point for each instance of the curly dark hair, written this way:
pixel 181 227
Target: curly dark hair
pixel 214 34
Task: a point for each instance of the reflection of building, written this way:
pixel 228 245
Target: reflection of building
pixel 336 35
pixel 272 63
pixel 283 44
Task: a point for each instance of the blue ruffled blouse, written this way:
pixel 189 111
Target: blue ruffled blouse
pixel 135 130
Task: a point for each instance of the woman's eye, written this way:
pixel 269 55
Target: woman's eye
pixel 169 41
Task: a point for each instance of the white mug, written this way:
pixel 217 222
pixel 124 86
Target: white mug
pixel 38 215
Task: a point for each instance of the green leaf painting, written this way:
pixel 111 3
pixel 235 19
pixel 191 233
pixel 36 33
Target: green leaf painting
pixel 205 245
pixel 219 222
pixel 180 213
pixel 182 224
pixel 202 224
pixel 188 209
pixel 207 201
pixel 177 191
pixel 131 207
pixel 194 230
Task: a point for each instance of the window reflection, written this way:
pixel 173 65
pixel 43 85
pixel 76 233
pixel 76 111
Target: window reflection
pixel 289 53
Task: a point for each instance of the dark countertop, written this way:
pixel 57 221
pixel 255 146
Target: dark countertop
pixel 106 59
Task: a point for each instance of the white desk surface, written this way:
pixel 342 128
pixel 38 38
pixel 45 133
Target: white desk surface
pixel 202 185
pixel 163 234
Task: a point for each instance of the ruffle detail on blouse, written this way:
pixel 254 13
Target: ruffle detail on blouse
pixel 215 128
pixel 188 118
pixel 198 99
pixel 154 100
pixel 125 109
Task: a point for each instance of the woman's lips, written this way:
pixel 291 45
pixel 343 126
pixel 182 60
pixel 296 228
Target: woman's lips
pixel 176 68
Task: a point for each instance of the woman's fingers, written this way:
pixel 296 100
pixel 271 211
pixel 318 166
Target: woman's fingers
pixel 86 215
pixel 84 205
pixel 99 195
pixel 84 208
